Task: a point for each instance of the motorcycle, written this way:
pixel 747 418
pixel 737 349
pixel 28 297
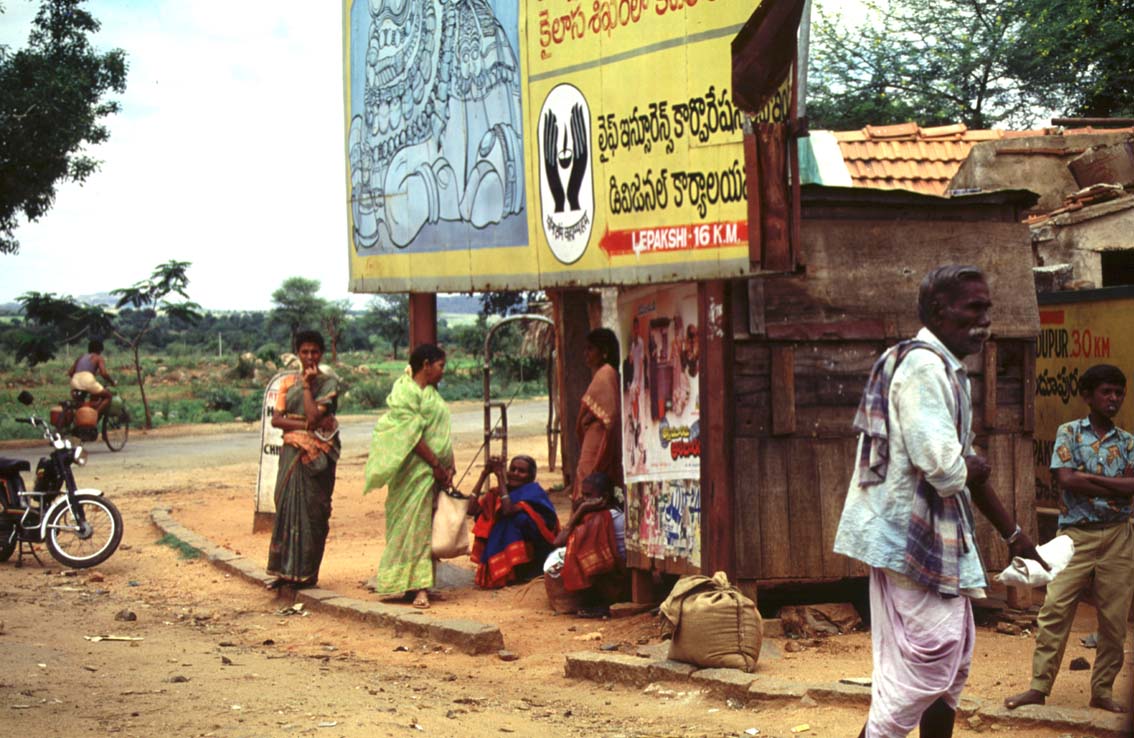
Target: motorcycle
pixel 76 417
pixel 80 527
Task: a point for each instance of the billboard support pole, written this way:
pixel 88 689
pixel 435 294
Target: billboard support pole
pixel 422 318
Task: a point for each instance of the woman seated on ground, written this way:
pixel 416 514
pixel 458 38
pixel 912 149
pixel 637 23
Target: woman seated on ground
pixel 594 561
pixel 515 524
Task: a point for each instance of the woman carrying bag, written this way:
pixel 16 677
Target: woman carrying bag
pixel 411 454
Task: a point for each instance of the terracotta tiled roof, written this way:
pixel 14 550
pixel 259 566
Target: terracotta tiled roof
pixel 909 157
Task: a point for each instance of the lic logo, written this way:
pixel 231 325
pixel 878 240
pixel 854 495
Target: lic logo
pixel 566 175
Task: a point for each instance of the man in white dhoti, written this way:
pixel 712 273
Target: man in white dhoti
pixel 908 513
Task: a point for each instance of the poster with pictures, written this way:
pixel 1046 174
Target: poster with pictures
pixel 661 406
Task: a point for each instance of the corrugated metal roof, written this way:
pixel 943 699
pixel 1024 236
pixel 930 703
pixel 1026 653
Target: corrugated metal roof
pixel 908 157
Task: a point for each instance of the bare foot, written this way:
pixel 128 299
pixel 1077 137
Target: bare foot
pixel 1106 703
pixel 1031 697
pixel 421 601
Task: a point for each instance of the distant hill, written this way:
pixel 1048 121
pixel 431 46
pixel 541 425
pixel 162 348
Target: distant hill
pixel 100 298
pixel 455 304
pixel 458 304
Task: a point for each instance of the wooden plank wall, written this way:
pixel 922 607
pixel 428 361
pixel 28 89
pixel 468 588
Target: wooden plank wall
pixel 794 459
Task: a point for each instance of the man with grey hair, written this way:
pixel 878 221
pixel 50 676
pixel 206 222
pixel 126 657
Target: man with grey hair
pixel 908 510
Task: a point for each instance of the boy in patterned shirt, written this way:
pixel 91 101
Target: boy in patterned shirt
pixel 1093 464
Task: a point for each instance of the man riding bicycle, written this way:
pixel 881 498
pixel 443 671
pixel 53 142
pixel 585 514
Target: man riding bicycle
pixel 84 375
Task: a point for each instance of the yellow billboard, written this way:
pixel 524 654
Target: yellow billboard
pixel 524 144
pixel 1077 331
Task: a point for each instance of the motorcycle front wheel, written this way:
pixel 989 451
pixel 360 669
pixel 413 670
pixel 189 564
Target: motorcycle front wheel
pixel 115 430
pixel 7 541
pixel 81 546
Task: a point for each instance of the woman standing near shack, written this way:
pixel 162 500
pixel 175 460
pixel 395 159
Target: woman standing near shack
pixel 305 413
pixel 410 452
pixel 600 448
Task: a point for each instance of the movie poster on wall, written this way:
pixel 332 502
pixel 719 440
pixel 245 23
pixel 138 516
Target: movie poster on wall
pixel 661 407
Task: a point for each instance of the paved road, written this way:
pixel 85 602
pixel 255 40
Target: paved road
pixel 167 449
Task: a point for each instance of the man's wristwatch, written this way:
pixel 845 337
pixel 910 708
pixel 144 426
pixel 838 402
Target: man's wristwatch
pixel 1014 536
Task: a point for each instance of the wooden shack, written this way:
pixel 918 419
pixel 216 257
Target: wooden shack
pixel 787 356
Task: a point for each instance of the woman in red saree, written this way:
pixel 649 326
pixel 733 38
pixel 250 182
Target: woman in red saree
pixel 594 562
pixel 600 443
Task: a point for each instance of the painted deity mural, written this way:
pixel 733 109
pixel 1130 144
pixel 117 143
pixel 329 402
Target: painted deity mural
pixel 435 142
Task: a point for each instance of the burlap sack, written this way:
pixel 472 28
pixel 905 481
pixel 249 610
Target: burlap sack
pixel 714 625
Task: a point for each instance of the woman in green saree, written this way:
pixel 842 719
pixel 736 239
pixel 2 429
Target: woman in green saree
pixel 305 413
pixel 410 451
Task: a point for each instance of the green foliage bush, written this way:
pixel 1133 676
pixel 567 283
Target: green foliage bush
pixel 220 397
pixel 368 395
pixel 251 406
pixel 218 416
pixel 269 352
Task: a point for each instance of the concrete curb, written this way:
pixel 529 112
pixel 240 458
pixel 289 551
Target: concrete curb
pixel 465 635
pixel 643 669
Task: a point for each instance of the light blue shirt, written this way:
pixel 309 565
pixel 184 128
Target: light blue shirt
pixel 1078 448
pixel 923 442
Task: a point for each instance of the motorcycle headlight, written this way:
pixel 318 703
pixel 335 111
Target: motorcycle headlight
pixel 79 456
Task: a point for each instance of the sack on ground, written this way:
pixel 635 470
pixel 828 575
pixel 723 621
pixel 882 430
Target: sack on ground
pixel 450 525
pixel 714 625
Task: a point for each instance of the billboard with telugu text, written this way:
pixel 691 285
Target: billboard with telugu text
pixel 1077 330
pixel 523 144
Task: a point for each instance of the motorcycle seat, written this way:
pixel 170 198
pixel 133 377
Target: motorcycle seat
pixel 13 466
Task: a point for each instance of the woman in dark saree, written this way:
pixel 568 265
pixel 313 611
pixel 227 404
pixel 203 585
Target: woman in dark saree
pixel 515 527
pixel 305 413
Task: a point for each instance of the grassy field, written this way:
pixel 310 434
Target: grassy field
pixel 184 387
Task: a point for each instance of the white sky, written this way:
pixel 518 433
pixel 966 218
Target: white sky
pixel 228 153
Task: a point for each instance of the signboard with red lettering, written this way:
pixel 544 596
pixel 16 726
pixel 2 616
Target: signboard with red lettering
pixel 525 144
pixel 271 438
pixel 1077 330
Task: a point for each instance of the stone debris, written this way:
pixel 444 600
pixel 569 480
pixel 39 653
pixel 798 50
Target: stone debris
pixel 126 616
pixel 1079 664
pixel 1008 628
pixel 809 621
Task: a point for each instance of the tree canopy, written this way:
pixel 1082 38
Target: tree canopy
pixel 53 97
pixel 979 62
pixel 1081 52
pixel 297 306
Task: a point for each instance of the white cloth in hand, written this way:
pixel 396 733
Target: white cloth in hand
pixel 1057 553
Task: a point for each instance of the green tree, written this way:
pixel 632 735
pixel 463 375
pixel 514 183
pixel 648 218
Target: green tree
pixel 297 305
pixel 507 303
pixel 52 99
pixel 51 322
pixel 387 316
pixel 335 317
pixel 149 298
pixel 57 320
pixel 1081 53
pixel 932 61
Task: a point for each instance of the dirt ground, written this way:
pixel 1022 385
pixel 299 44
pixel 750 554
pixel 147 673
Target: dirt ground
pixel 215 656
